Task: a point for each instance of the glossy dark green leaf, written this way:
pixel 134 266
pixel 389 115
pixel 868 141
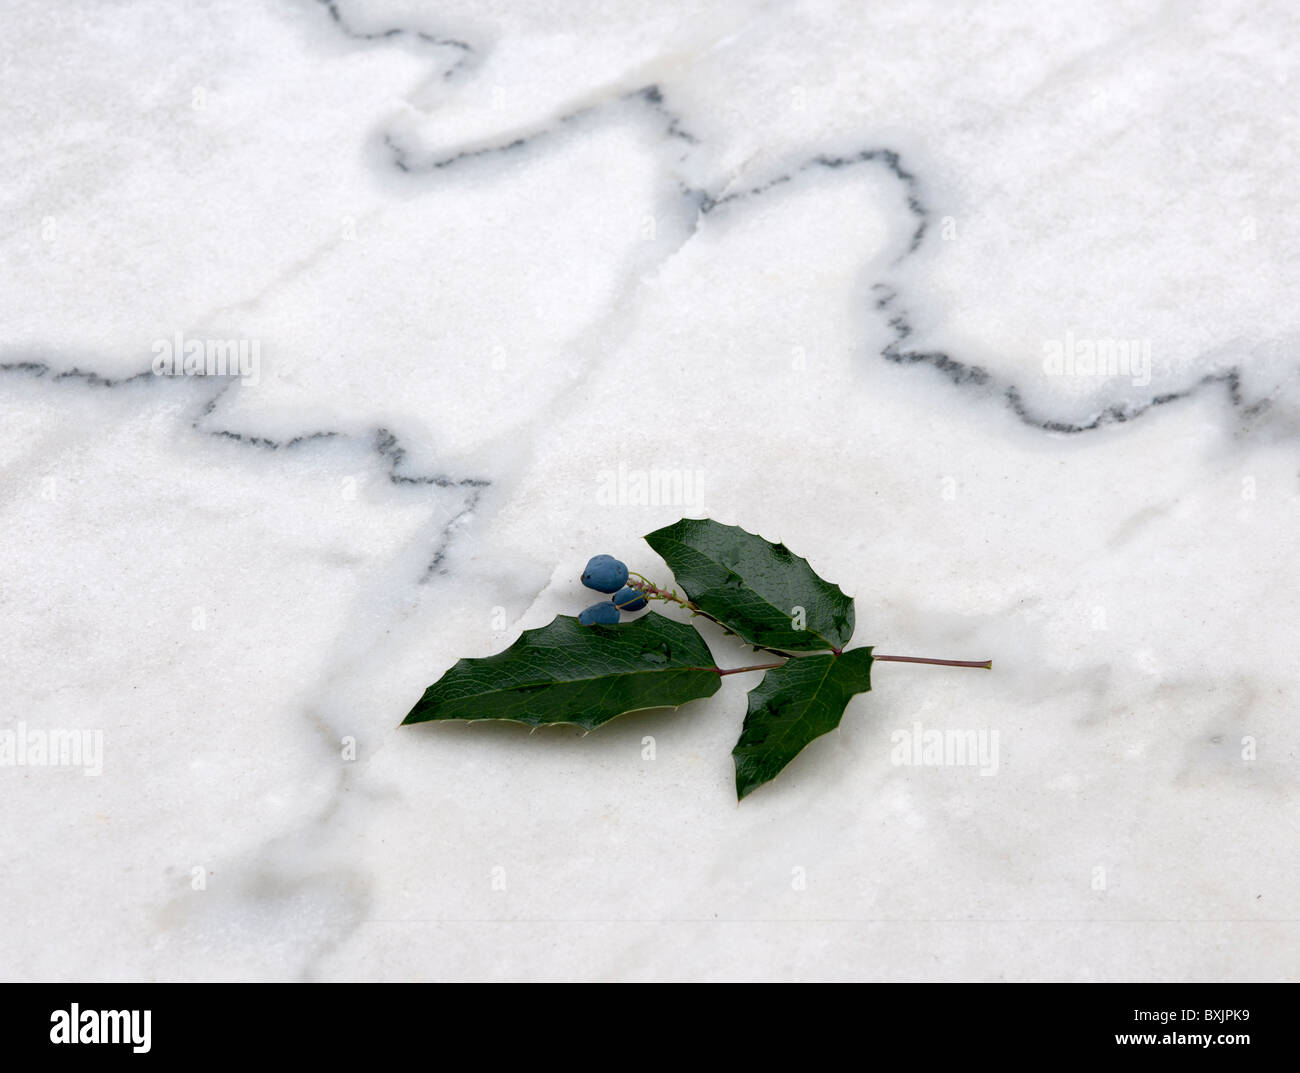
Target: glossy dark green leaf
pixel 760 590
pixel 569 673
pixel 800 700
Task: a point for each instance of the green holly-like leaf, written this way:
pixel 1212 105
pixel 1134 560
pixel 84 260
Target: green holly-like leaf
pixel 754 587
pixel 569 673
pixel 794 703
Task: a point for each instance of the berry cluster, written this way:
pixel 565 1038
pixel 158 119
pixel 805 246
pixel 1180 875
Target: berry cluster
pixel 604 573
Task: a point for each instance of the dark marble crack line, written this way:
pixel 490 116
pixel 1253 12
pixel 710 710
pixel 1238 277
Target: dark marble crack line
pixel 653 96
pixel 387 447
pixel 887 158
pixel 42 369
pixel 961 373
pixel 397 32
pixel 383 442
pixel 448 533
pixel 405 160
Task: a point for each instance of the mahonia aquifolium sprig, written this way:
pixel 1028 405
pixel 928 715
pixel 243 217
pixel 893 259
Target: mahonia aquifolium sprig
pixel 590 669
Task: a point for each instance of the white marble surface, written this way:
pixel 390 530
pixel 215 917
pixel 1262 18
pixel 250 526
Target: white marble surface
pixel 812 255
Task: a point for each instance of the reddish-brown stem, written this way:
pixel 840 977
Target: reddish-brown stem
pixel 741 670
pixel 987 664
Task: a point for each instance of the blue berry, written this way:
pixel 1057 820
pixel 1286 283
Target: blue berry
pixel 605 574
pixel 629 599
pixel 599 614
